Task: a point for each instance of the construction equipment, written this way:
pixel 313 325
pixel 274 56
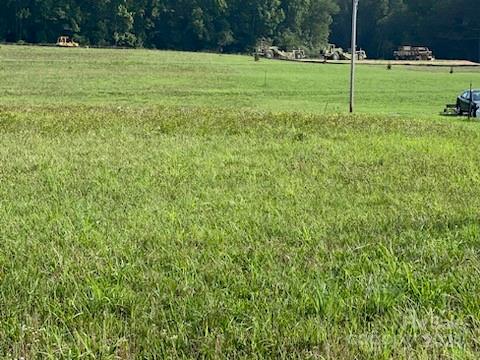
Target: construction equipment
pixel 298 54
pixel 361 55
pixel 65 41
pixel 274 52
pixel 417 53
pixel 332 52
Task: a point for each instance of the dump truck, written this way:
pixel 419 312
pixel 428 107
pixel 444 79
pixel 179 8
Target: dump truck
pixel 418 53
pixel 65 41
pixel 332 52
pixel 274 52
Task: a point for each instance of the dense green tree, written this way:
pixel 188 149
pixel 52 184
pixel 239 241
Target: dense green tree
pixel 306 23
pixel 450 27
pixel 251 20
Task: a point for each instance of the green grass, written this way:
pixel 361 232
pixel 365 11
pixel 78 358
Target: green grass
pixel 153 205
pixel 39 76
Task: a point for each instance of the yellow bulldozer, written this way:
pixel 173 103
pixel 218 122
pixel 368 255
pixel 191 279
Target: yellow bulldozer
pixel 65 41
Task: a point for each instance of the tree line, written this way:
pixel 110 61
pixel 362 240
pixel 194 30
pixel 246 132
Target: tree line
pixel 450 27
pixel 226 25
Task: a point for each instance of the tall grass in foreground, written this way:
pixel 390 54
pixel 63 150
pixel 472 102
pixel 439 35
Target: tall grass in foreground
pixel 194 232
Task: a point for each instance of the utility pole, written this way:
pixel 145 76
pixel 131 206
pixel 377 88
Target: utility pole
pixel 354 53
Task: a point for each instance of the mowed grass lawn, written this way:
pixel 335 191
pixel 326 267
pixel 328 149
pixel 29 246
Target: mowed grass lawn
pixel 141 78
pixel 172 205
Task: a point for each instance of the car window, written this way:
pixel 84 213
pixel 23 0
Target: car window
pixel 466 95
pixel 476 96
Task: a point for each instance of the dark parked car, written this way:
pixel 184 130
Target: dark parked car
pixel 469 102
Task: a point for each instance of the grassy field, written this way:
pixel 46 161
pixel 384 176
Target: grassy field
pixel 47 76
pixel 172 205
